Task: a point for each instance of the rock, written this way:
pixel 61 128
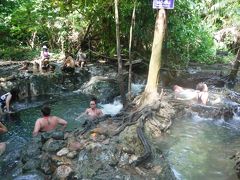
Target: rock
pixel 132 159
pixel 53 145
pixel 31 151
pixel 102 88
pixel 72 154
pixel 58 135
pixel 74 146
pixel 31 164
pixel 63 171
pixel 106 141
pixel 63 152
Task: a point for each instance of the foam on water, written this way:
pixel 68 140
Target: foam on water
pixel 112 108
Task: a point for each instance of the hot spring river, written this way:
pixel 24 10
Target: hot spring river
pixel 196 148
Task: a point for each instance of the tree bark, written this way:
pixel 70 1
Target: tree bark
pixel 120 69
pixel 234 71
pixel 150 93
pixel 155 61
pixel 130 52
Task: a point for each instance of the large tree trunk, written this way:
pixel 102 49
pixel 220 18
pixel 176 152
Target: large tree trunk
pixel 130 52
pixel 150 94
pixel 120 69
pixel 234 71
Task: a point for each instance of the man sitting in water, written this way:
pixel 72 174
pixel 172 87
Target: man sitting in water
pixel 3 129
pixel 200 94
pixel 47 122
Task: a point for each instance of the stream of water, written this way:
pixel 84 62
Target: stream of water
pixel 200 148
pixel 196 148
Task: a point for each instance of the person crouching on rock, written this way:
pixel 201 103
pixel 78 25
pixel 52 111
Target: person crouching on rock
pixel 68 63
pixel 48 122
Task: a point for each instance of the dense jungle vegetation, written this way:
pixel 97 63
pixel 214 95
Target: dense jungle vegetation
pixel 193 28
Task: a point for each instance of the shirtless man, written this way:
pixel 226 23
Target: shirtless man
pixel 3 129
pixel 93 112
pixel 47 122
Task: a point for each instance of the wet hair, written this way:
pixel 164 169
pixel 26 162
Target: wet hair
pixel 14 92
pixel 202 87
pixel 94 99
pixel 46 110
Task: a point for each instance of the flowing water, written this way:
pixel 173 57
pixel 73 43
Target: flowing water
pixel 200 148
pixel 196 148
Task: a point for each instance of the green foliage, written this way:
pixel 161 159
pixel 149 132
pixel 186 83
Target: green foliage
pixel 187 39
pixel 17 53
pixel 25 25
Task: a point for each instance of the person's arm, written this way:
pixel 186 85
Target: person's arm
pixel 37 128
pixel 3 128
pixel 62 122
pixel 87 111
pixel 100 113
pixel 204 97
pixel 8 99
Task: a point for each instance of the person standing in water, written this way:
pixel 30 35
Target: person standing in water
pixel 7 99
pixel 48 122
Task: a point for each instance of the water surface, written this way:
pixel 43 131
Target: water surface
pixel 200 148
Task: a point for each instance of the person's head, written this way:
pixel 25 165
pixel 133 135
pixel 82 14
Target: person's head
pixel 177 89
pixel 202 87
pixel 93 103
pixel 14 92
pixel 67 54
pixel 45 48
pixel 46 110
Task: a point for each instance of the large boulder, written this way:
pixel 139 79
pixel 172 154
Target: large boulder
pixel 102 88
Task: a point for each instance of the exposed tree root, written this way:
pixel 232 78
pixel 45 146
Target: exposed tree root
pixel 145 112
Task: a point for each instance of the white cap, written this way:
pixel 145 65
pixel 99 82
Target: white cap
pixel 44 47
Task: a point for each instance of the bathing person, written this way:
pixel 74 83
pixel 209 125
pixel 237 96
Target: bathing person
pixel 44 61
pixel 184 94
pixel 93 112
pixel 7 99
pixel 3 129
pixel 68 63
pixel 48 122
pixel 200 94
pixel 81 59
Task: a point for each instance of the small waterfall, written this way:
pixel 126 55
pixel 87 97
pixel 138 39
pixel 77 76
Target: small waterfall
pixel 112 108
pixel 116 106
